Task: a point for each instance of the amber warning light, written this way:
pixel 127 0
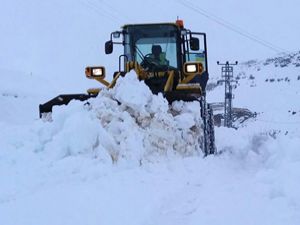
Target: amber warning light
pixel 179 23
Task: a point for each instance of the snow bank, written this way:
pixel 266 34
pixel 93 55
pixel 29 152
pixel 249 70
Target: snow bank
pixel 127 122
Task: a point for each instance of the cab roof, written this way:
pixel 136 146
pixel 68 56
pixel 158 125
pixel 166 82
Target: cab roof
pixel 149 24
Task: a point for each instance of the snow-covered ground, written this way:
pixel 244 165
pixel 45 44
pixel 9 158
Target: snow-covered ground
pixel 138 163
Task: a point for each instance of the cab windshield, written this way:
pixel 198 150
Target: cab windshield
pixel 152 44
pixel 168 50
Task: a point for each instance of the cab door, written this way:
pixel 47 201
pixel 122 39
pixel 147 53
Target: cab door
pixel 195 49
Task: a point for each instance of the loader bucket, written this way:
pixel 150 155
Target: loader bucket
pixel 181 95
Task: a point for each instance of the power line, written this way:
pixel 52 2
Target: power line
pixel 112 9
pixel 230 26
pixel 93 6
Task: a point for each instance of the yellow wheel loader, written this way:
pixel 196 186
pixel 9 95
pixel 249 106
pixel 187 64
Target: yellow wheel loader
pixel 169 58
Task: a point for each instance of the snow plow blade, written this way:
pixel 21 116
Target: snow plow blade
pixel 62 100
pixel 186 96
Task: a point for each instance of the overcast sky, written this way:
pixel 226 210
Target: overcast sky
pixel 62 36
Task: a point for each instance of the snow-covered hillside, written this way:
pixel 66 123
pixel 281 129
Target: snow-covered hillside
pixel 138 162
pixel 270 88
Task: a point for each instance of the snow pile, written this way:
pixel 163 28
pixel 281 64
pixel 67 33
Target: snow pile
pixel 125 122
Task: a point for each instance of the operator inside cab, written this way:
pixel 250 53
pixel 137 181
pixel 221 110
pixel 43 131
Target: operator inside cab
pixel 156 60
pixel 159 56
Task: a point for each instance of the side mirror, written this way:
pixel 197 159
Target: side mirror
pixel 109 47
pixel 194 44
pixel 116 34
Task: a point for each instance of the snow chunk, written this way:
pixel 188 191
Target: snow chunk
pixel 132 93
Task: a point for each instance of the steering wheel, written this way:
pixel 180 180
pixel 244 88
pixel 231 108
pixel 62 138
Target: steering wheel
pixel 149 62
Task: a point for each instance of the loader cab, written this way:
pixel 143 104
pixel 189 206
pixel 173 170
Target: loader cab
pixel 174 46
pixel 156 47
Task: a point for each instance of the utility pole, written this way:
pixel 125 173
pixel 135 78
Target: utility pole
pixel 227 75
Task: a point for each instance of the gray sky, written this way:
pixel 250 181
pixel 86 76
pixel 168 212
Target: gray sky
pixel 62 36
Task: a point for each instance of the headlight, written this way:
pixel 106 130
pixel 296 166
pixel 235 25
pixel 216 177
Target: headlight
pixel 191 68
pixel 95 72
